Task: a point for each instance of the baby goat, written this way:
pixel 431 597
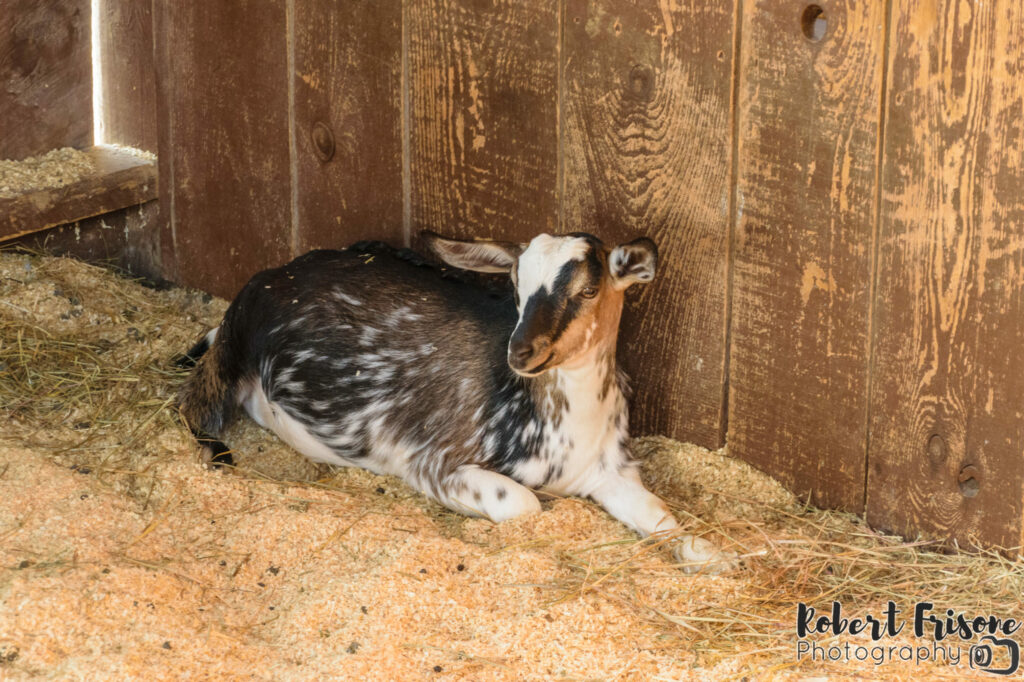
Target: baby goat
pixel 368 357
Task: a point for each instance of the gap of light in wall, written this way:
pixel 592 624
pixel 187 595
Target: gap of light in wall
pixel 98 133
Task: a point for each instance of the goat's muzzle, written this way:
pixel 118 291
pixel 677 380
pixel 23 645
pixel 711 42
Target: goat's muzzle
pixel 529 357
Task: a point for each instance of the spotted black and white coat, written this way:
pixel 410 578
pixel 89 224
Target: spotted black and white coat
pixel 474 394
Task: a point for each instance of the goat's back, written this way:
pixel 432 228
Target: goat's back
pixel 370 340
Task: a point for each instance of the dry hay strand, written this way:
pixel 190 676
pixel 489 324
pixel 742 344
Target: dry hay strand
pixel 368 576
pixel 792 553
pixel 56 168
pixel 79 373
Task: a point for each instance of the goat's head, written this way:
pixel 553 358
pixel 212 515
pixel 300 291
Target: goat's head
pixel 569 291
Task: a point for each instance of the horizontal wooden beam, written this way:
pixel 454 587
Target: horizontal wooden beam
pixel 121 179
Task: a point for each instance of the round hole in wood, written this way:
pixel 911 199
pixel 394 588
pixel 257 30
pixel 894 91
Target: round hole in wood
pixel 813 22
pixel 968 481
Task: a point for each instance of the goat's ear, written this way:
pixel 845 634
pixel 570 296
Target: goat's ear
pixel 478 255
pixel 633 262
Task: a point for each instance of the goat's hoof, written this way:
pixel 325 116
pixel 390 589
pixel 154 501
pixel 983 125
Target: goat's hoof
pixel 216 455
pixel 218 462
pixel 183 361
pixel 698 555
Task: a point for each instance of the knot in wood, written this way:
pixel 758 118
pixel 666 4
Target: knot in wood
pixel 323 141
pixel 937 450
pixel 641 82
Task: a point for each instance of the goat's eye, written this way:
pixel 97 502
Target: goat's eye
pixel 588 292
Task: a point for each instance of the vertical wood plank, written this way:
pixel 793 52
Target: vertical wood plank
pixel 647 147
pixel 129 78
pixel 483 96
pixel 45 77
pixel 225 164
pixel 163 53
pixel 808 136
pixel 348 122
pixel 949 371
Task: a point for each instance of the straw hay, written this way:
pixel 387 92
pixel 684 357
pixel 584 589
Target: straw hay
pixel 55 168
pixel 121 556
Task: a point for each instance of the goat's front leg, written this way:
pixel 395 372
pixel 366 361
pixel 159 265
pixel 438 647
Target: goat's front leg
pixel 624 496
pixel 475 491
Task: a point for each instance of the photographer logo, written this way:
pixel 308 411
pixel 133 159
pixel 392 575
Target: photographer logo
pixel 982 642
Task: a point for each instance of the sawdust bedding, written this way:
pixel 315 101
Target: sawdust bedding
pixel 122 557
pixel 56 168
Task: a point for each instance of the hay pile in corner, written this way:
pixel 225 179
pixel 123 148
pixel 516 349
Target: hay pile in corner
pixel 120 556
pixel 56 168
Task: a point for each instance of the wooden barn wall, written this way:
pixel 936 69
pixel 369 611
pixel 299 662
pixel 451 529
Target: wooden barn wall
pixel 837 192
pixel 46 102
pixel 225 145
pixel 646 144
pixel 128 75
pixel 45 76
pixel 807 152
pixel 46 73
pixel 947 397
pixel 347 126
pixel 482 89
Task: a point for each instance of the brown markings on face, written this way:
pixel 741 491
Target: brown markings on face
pixel 599 316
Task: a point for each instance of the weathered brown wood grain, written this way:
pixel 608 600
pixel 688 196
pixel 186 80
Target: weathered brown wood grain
pixel 948 380
pixel 646 151
pixel 121 179
pixel 806 186
pixel 224 144
pixel 129 78
pixel 162 59
pixel 483 116
pixel 45 77
pixel 127 239
pixel 348 122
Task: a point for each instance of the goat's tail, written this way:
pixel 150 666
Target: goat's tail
pixel 207 399
pixel 191 358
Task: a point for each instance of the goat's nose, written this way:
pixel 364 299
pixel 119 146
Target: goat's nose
pixel 520 351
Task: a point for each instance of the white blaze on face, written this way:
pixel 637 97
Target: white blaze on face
pixel 543 259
